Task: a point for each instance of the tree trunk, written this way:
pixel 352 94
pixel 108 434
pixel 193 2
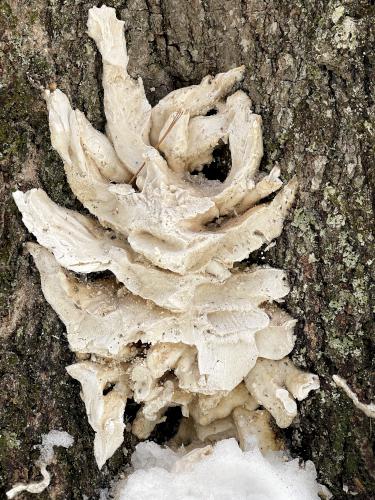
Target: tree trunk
pixel 308 74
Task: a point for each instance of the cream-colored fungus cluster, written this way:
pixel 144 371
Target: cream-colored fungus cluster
pixel 177 324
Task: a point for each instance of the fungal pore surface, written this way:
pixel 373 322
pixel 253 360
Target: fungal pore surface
pixel 174 322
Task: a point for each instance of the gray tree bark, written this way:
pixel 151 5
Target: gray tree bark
pixel 309 68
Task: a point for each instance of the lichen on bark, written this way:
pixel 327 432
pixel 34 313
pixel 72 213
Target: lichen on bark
pixel 308 76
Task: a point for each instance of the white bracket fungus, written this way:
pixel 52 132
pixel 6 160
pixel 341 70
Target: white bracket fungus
pixel 276 384
pixel 177 324
pixel 105 410
pixel 367 409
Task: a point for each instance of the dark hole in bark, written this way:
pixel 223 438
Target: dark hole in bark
pixel 166 430
pixel 256 257
pixel 220 166
pixel 142 348
pixel 131 410
pixel 92 277
pixel 108 388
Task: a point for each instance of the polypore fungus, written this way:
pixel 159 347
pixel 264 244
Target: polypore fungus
pixel 367 409
pixel 276 384
pixel 177 324
pixel 104 392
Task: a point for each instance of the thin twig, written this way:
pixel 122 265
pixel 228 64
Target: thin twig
pixel 172 124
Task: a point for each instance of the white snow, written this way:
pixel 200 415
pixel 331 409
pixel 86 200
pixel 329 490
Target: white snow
pixel 53 438
pixel 221 472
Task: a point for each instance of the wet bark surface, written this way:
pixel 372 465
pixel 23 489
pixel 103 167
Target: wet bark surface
pixel 310 76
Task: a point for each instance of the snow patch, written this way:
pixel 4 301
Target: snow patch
pixel 53 438
pixel 216 472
